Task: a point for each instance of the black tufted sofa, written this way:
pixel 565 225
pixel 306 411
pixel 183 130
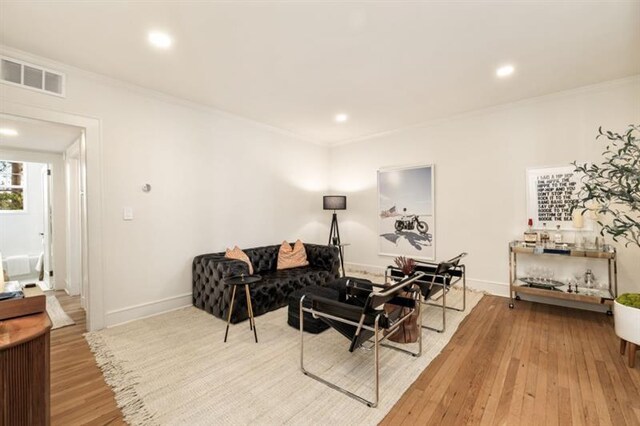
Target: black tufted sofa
pixel 272 292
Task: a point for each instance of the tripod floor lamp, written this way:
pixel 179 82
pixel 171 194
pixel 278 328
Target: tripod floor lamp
pixel 335 202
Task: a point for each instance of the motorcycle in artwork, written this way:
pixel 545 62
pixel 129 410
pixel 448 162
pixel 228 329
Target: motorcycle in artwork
pixel 406 211
pixel 411 222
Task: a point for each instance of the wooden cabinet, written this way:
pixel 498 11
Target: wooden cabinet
pixel 24 370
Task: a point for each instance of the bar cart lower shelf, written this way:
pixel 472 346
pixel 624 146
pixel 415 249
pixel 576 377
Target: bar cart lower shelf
pixel 558 290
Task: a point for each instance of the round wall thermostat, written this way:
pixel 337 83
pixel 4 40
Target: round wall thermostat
pixel 146 188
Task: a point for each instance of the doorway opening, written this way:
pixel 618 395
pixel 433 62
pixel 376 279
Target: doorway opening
pixel 42 205
pixel 91 154
pixel 25 224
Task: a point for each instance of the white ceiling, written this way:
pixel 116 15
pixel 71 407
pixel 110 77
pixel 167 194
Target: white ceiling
pixel 295 65
pixel 36 135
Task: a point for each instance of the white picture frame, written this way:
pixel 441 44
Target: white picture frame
pixel 402 232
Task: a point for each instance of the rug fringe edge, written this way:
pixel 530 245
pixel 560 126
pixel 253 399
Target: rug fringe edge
pixel 120 380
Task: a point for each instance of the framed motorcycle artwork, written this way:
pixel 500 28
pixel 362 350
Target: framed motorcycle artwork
pixel 406 211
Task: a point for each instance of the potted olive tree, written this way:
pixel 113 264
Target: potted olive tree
pixel 612 188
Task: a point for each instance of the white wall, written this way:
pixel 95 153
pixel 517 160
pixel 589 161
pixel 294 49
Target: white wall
pixel 217 180
pixel 19 231
pixel 480 160
pixel 58 201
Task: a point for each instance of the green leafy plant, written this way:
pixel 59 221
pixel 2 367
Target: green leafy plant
pixel 11 200
pixel 629 299
pixel 612 188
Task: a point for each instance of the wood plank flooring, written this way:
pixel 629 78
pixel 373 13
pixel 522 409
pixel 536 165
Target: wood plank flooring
pixel 79 394
pixel 536 364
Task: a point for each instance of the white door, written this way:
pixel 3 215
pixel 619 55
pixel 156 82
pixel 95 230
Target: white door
pixel 47 226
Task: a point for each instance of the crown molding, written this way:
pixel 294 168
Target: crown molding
pixel 591 88
pixel 140 90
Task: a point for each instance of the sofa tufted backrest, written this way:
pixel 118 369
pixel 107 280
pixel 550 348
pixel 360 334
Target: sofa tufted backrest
pixel 264 259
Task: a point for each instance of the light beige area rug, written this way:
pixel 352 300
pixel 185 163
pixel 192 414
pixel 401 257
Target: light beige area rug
pixel 174 369
pixel 57 315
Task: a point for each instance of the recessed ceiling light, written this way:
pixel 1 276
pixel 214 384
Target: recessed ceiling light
pixel 8 132
pixel 505 71
pixel 160 40
pixel 341 118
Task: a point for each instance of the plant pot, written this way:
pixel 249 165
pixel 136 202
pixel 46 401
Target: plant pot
pixel 409 329
pixel 627 322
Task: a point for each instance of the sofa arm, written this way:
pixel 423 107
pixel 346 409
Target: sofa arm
pixel 208 271
pixel 324 257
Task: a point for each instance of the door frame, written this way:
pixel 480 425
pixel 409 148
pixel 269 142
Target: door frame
pixel 74 227
pixel 94 189
pixel 47 226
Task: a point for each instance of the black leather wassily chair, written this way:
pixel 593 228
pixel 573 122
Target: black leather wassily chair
pixel 359 316
pixel 444 275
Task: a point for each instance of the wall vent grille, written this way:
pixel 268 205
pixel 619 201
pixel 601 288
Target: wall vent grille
pixel 30 76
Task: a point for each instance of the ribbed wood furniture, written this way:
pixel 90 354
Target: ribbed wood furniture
pixel 33 302
pixel 24 370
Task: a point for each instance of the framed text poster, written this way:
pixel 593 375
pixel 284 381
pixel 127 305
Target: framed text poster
pixel 550 191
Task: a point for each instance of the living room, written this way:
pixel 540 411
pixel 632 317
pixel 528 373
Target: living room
pixel 211 125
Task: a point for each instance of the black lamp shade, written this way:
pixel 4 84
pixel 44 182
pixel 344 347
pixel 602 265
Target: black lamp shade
pixel 334 202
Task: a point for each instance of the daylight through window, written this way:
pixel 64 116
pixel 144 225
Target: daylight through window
pixel 12 182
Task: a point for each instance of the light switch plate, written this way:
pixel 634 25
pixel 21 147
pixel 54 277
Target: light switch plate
pixel 127 213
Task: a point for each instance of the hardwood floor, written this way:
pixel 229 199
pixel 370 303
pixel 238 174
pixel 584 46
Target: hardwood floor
pixel 536 364
pixel 79 394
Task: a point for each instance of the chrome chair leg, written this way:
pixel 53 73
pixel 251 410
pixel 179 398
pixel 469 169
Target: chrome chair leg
pixel 464 288
pixel 377 342
pixel 360 326
pixel 444 313
pixel 376 366
pixel 373 403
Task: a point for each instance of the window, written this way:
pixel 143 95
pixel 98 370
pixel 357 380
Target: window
pixel 12 183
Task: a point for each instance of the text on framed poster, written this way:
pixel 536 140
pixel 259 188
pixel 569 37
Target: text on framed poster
pixel 554 192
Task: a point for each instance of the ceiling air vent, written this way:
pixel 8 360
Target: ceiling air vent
pixel 29 76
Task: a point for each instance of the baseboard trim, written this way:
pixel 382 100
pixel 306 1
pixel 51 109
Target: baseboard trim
pixel 492 287
pixel 148 309
pixel 364 268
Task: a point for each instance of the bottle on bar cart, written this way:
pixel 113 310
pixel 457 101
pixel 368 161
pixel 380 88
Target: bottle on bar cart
pixel 530 236
pixel 544 236
pixel 557 237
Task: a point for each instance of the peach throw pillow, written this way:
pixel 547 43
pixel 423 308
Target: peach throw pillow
pixel 238 254
pixel 292 257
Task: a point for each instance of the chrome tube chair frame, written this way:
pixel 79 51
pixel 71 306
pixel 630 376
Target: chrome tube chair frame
pixel 444 275
pixel 405 285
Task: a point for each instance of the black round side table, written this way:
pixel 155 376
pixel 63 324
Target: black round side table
pixel 235 282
